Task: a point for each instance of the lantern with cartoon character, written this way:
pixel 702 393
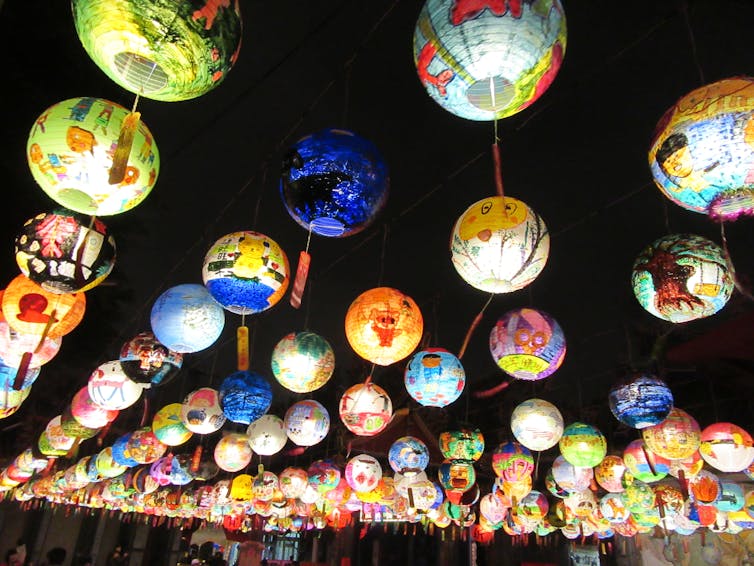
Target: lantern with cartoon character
pixel 109 387
pixel 434 377
pixel 145 360
pixel 201 411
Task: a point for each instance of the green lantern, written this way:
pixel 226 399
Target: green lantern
pixel 582 445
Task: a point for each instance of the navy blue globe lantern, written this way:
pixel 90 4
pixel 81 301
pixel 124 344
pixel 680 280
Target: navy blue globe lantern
pixel 334 183
pixel 245 396
pixel 642 401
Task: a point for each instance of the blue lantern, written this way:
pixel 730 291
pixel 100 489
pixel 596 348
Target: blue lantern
pixel 644 401
pixel 334 183
pixel 434 377
pixel 245 396
pixel 186 318
pixel 408 454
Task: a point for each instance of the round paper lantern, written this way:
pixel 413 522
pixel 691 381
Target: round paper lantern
pixel 434 377
pixel 246 272
pixel 30 309
pixel 334 183
pixel 145 360
pixel 166 50
pixel 110 388
pixel 363 472
pixel 365 409
pixel 119 451
pixel 264 486
pixel 324 475
pixel 293 482
pixel 106 466
pixel 168 427
pixel 89 413
pixel 488 60
pixel 186 318
pixel 643 464
pixel 14 344
pixel 144 447
pixel 383 325
pixel 613 509
pixel 642 401
pixel 464 444
pixel 583 445
pixel 232 452
pixel 682 277
pixel 62 254
pixel 705 487
pixel 456 477
pixel 267 435
pixel 527 344
pixel 726 447
pixel 70 154
pixel 609 473
pixel 303 362
pixel 56 438
pixel 307 422
pixel 702 151
pixel 537 424
pixel 201 411
pixel 512 461
pixel 8 378
pixel 245 396
pixel 408 455
pixel 675 438
pixel 499 245
pixel 689 466
pixel 731 498
pixel 571 477
pixel 72 427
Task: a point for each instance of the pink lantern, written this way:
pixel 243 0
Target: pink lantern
pixel 726 447
pixel 232 452
pixel 293 482
pixel 87 413
pixel 363 472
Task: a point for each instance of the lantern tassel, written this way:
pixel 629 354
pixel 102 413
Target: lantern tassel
pixel 123 148
pixel 299 283
pixel 242 347
pixel 23 368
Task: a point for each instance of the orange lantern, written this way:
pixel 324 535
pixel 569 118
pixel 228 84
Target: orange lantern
pixel 383 325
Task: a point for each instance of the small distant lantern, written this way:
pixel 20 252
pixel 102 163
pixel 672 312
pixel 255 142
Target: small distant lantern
pixel 609 473
pixel 682 277
pixel 492 508
pixel 145 360
pixel 456 477
pixel 324 475
pixel 110 388
pixel 56 437
pixel 232 452
pixel 307 422
pixel 702 151
pixel 71 426
pixel 726 447
pixel 527 344
pixel 464 444
pixel 642 401
pixel 70 154
pixel 363 472
pixel 201 411
pixel 643 464
pixel 334 183
pixel 365 409
pixel 408 455
pixel 293 482
pixel 88 413
pixel 571 477
pixel 512 461
pixel 246 272
pixel 62 254
pixel 245 396
pixel 170 51
pixel 486 61
pixel 168 426
pixel 14 344
pixel 675 438
pixel 583 445
pixel 186 318
pixel 383 325
pixel 267 435
pixel 537 424
pixel 434 377
pixel 303 362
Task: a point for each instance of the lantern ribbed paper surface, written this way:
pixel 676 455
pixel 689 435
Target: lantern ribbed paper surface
pixel 168 426
pixel 267 435
pixel 110 387
pixel 145 360
pixel 434 377
pixel 186 318
pixel 303 362
pixel 245 396
pixel 365 409
pixel 643 401
pixel 675 438
pixel 334 183
pixel 488 60
pixel 682 277
pixel 702 154
pixel 499 245
pixel 307 422
pixel 383 325
pixel 70 154
pixel 363 472
pixel 537 424
pixel 164 49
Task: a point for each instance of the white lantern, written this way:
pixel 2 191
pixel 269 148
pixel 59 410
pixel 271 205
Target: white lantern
pixel 267 435
pixel 111 388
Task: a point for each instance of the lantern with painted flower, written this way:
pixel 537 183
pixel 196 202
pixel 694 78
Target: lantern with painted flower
pixel 642 401
pixel 527 344
pixel 434 377
pixel 537 424
pixel 186 318
pixel 146 360
pixel 267 435
pixel 365 409
pixel 245 396
pixel 232 452
pixel 675 438
pixel 201 411
pixel 726 447
pixel 168 426
pixel 383 325
pixel 109 387
pixel 408 455
pixel 583 445
pixel 307 422
pixel 303 362
pixel 363 472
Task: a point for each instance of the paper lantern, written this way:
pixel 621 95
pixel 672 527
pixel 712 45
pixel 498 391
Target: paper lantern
pixel 106 466
pixel 119 451
pixel 456 477
pixel 642 401
pixel 303 362
pixel 89 413
pixel 464 444
pixel 56 442
pixel 408 455
pixel 609 473
pixel 145 360
pixel 168 427
pixel 702 150
pixel 201 411
pixel 267 435
pixel 675 438
pixel 527 344
pixel 8 378
pixel 324 475
pixel 232 452
pixel 726 447
pixel 731 498
pixel 434 377
pixel 29 309
pixel 499 245
pixel 571 477
pixel 246 272
pixel 264 486
pixel 512 461
pixel 165 50
pixel 383 325
pixel 186 318
pixel 334 183
pixel 365 409
pixel 14 344
pixel 643 464
pixel 488 60
pixel 144 447
pixel 537 424
pixel 689 466
pixel 363 472
pixel 705 487
pixel 110 388
pixel 245 396
pixel 682 277
pixel 307 422
pixel 583 445
pixel 293 482
pixel 70 154
pixel 72 427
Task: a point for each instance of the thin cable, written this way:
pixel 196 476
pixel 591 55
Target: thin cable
pixel 684 9
pixel 385 232
pixel 473 326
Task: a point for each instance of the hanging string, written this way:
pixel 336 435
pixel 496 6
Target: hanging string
pixel 385 232
pixel 731 268
pixel 473 326
pixel 684 8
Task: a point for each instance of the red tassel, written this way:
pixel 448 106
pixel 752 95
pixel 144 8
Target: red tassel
pixel 299 283
pixel 23 368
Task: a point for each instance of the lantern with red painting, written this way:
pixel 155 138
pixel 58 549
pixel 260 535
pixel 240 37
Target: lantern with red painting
pixel 675 438
pixel 144 447
pixel 365 409
pixel 726 447
pixel 146 360
pixel 512 461
pixel 609 473
pixel 363 472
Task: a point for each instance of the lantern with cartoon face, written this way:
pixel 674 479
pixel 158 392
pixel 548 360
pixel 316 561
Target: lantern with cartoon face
pixel 408 455
pixel 363 472
pixel 145 360
pixel 434 377
pixel 110 388
pixel 463 444
pixel 201 411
